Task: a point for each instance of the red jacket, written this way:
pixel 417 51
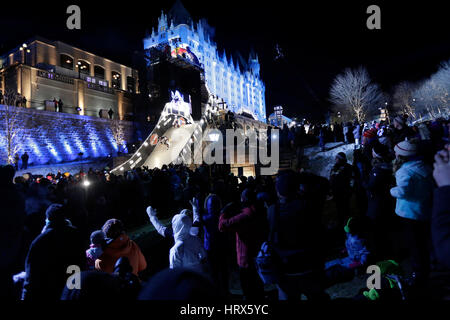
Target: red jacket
pixel 249 228
pixel 121 247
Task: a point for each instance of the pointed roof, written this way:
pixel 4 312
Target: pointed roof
pixel 179 15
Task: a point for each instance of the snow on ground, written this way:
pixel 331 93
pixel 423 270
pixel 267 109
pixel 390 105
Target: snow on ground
pixel 320 163
pixel 71 167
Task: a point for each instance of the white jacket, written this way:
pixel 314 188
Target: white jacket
pixel 188 251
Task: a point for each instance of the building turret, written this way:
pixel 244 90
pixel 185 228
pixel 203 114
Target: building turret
pixel 253 64
pixel 162 22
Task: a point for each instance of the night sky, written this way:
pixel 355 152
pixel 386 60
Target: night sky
pixel 319 39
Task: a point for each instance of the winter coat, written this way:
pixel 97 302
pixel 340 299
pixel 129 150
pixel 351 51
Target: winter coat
pixel 380 202
pixel 293 226
pixel 49 256
pixel 340 180
pixel 122 246
pixel 92 254
pixel 250 233
pixel 356 248
pixel 414 190
pixel 357 132
pixel 214 240
pixel 188 251
pixel 440 225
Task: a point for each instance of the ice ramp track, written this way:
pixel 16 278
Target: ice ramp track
pixel 153 154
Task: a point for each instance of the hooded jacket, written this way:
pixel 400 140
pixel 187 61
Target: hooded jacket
pixel 250 233
pixel 122 246
pixel 188 251
pixel 414 191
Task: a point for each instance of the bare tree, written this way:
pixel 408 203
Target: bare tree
pixel 355 90
pixel 118 133
pixel 13 132
pixel 433 96
pixel 404 98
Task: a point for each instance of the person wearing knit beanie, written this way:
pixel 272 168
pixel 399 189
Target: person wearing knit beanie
pixel 405 149
pixel 341 156
pixel 399 122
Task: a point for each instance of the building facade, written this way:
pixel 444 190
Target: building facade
pixel 41 71
pixel 238 83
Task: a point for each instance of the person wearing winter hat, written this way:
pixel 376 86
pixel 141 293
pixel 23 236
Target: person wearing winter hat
pixel 295 232
pixel 119 245
pixel 188 250
pixel 341 181
pixel 95 250
pixel 59 246
pixel 249 226
pixel 380 203
pixel 413 193
pixel 401 130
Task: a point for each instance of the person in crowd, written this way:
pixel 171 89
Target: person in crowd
pixel 400 131
pixel 357 134
pixel 119 245
pixel 16 162
pixel 295 232
pixel 250 226
pixel 55 103
pixel 341 183
pixel 58 247
pixel 60 105
pixel 179 284
pixel 322 139
pixel 187 251
pixel 346 132
pixel 96 248
pixel 413 193
pixel 12 216
pixel 358 253
pixel 110 113
pixel 380 203
pixel 25 158
pixel 439 284
pixel 215 243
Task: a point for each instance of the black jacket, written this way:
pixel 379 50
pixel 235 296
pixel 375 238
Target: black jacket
pixel 380 202
pixel 440 225
pixel 49 256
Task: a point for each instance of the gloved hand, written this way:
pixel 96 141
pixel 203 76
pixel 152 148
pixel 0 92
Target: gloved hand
pixel 194 203
pixel 150 211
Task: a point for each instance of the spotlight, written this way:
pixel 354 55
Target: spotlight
pixel 86 183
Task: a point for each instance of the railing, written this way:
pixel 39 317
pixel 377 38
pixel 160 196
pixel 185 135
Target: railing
pixel 98 87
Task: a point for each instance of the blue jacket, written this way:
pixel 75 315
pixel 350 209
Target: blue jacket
pixel 414 190
pixel 356 248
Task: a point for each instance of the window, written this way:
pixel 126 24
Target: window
pixel 130 84
pixel 66 61
pixel 115 80
pixel 99 72
pixel 84 66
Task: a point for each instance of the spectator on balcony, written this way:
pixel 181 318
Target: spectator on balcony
pixel 110 113
pixel 56 104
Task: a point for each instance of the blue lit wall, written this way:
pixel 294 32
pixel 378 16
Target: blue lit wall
pixel 242 90
pixel 51 137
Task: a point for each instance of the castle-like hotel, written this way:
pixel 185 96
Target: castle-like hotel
pixel 238 83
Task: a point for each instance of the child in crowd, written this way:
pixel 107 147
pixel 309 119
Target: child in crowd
pixel 96 248
pixel 355 245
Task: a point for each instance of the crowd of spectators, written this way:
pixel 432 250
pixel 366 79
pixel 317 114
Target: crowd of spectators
pixel 53 222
